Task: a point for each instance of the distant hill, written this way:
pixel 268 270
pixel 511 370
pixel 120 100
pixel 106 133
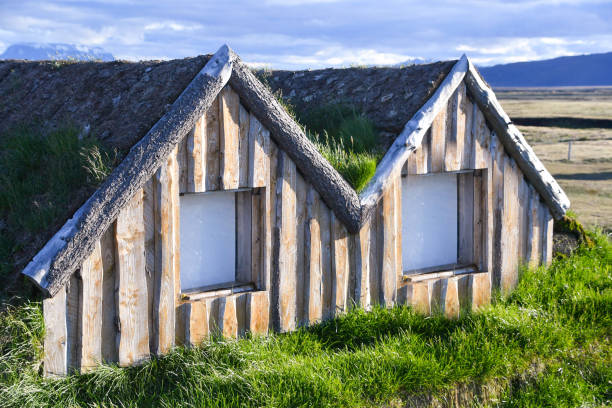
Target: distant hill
pixel 34 51
pixel 580 70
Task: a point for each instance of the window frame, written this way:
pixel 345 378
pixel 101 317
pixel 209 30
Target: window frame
pixel 245 277
pixel 471 255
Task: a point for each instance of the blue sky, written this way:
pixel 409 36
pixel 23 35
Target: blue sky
pixel 318 33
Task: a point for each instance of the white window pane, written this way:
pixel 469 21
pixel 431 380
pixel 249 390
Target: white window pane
pixel 208 239
pixel 429 221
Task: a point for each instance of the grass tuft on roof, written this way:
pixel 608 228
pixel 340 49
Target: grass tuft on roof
pixel 346 138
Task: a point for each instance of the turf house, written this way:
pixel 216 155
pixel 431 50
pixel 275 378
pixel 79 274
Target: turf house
pixel 224 217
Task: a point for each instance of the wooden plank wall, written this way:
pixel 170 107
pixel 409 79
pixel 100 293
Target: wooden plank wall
pixel 125 303
pixel 511 226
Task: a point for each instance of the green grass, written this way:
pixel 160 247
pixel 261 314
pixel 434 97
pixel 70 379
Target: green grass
pixel 346 138
pixel 558 320
pixel 44 176
pixel 341 133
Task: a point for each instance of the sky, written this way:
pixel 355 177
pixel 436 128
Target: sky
pixel 294 34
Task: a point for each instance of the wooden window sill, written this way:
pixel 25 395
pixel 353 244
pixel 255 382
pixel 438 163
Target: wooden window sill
pixel 443 271
pixel 220 289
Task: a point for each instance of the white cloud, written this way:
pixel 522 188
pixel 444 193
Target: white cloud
pixel 316 33
pixel 298 2
pixel 171 25
pixel 506 50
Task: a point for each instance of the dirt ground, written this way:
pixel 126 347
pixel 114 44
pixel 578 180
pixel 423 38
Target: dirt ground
pixel 587 177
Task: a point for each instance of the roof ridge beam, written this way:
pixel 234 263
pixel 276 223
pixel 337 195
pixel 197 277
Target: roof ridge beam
pixel 63 254
pixel 515 144
pixel 333 188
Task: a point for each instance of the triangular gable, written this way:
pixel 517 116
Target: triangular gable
pixel 512 139
pixel 54 264
pixel 51 268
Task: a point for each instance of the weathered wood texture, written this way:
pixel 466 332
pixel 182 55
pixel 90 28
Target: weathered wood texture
pixel 52 267
pixel 303 261
pixel 515 144
pixel 502 220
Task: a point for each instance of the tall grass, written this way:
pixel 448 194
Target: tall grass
pixel 557 320
pixel 43 177
pixel 356 166
pixel 346 138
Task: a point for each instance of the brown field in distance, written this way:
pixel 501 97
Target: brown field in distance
pixel 587 178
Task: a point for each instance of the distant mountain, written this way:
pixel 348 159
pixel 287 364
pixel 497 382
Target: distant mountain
pixel 581 70
pixel 34 51
pixel 413 61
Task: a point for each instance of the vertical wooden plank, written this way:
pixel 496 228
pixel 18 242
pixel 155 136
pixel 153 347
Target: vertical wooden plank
pixel 259 152
pixel 270 220
pixel 244 236
pixel 242 324
pixel 533 229
pixel 465 218
pixel 325 227
pixel 257 312
pixel 410 167
pixel 340 265
pixel 229 117
pixel 133 338
pixel 523 219
pixel 479 222
pixel 287 254
pixel 227 318
pixel 148 205
pixel 312 259
pixel 354 261
pixel 404 293
pixel 389 274
pixel 109 301
pixel 91 314
pixel 74 308
pixel 480 290
pixel 55 359
pixel 362 278
pixel 213 141
pixel 183 163
pixel 547 235
pixel 510 221
pixel 464 128
pixel 300 195
pixel 173 188
pixel 452 153
pixel 445 297
pixel 423 154
pixel 488 213
pixel 165 183
pixel 463 290
pixel 196 322
pixel 258 215
pixel 376 254
pixel 243 147
pixel 478 150
pixel 497 208
pixel 421 297
pixel 196 157
pixel 397 211
pixel 438 142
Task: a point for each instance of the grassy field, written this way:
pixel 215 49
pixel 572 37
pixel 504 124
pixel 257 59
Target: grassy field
pixel 548 344
pixel 587 178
